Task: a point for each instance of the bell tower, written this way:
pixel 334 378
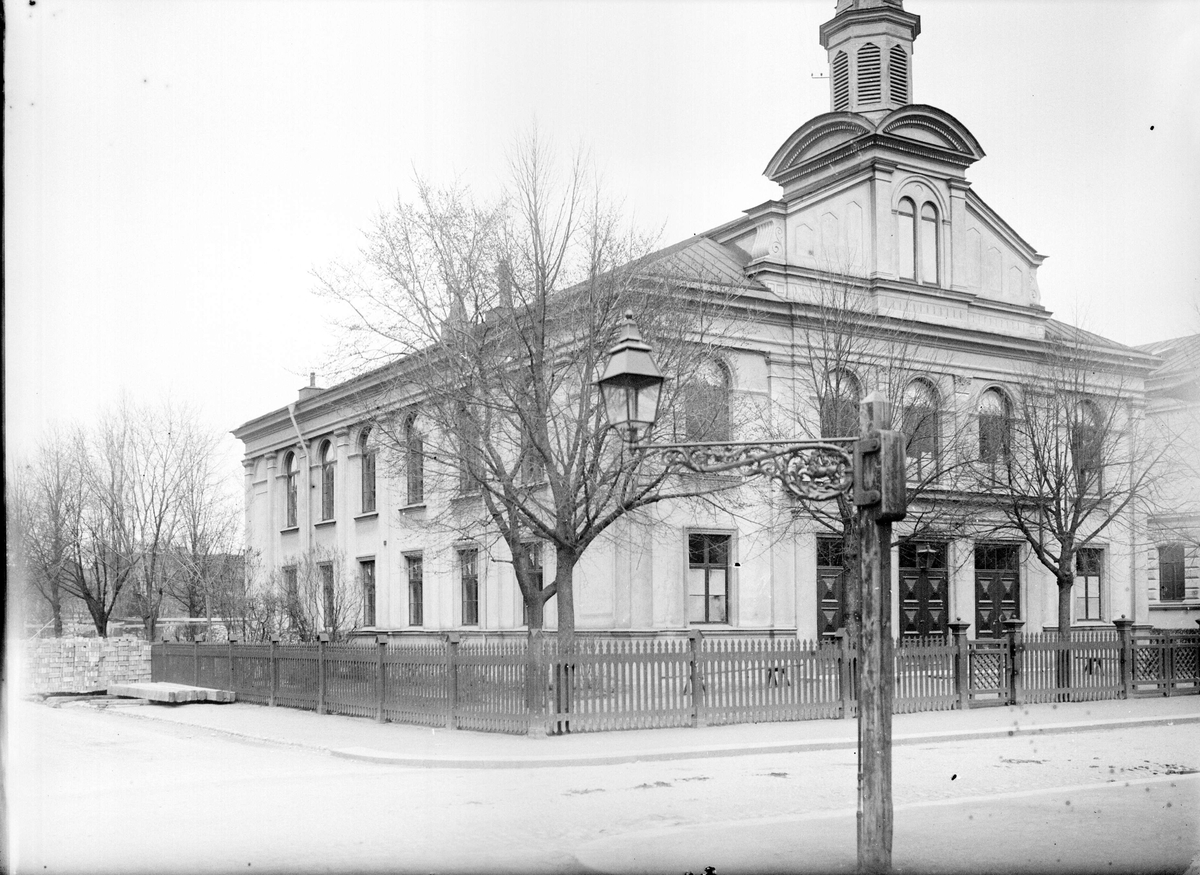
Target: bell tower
pixel 870 45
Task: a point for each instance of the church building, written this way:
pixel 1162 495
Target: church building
pixel 874 201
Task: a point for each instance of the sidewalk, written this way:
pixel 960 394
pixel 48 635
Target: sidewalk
pixel 413 746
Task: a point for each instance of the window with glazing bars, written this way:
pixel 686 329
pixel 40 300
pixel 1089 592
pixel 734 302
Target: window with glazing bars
pixel 1088 563
pixel 366 573
pixel 708 578
pixel 415 565
pixel 468 567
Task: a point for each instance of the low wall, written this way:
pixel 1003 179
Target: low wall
pixel 83 665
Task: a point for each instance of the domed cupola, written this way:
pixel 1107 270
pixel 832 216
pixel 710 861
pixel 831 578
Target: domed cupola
pixel 870 45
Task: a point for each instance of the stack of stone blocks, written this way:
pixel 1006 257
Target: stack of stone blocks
pixel 84 665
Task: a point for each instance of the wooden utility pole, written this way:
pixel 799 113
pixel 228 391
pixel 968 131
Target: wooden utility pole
pixel 879 493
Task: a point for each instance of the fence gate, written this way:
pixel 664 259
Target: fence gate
pixel 989 665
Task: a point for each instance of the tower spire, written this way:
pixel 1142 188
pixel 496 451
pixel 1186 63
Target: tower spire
pixel 870 45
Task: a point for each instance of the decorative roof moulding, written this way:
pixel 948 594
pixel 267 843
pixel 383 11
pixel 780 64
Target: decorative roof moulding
pixel 912 129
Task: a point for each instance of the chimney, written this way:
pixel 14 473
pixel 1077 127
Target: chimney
pixel 312 388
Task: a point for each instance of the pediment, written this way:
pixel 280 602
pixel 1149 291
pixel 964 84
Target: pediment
pixel 932 126
pixel 816 136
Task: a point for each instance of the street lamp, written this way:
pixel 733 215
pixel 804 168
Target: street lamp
pixel 631 383
pixel 869 469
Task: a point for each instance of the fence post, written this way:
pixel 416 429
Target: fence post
pixel 1016 646
pixel 230 642
pixel 451 679
pixel 274 669
pixel 695 643
pixel 845 676
pixel 535 683
pixel 322 640
pixel 962 663
pixel 195 663
pixel 381 639
pixel 1125 634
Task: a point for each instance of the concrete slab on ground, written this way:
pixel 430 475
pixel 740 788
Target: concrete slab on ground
pixel 172 694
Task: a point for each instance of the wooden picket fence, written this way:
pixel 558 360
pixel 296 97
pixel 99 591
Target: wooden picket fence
pixel 609 682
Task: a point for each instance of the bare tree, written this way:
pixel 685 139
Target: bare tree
pixel 322 597
pixel 206 563
pixel 845 349
pixel 44 518
pixel 1071 459
pixel 501 316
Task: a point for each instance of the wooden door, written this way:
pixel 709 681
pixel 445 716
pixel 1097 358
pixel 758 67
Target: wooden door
pixel 924 601
pixel 997 588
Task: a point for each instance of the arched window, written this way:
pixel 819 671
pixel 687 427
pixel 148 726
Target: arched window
pixel 366 449
pixel 706 403
pixel 327 461
pixel 929 244
pixel 839 401
pixel 841 81
pixel 922 428
pixel 869 74
pixel 906 238
pixel 898 74
pixel 994 426
pixel 414 462
pixel 291 468
pixel 1087 448
pixel 917 247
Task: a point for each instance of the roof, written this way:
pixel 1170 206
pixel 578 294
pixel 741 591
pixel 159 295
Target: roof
pixel 1179 373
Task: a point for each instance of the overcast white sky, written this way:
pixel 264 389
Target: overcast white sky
pixel 174 170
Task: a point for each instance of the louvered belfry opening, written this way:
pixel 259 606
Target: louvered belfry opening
pixel 870 80
pixel 898 74
pixel 841 81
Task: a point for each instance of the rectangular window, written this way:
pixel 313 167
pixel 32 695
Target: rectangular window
pixel 1171 571
pixel 327 590
pixel 1088 563
pixel 708 578
pixel 416 589
pixel 468 567
pixel 366 574
pixel 534 551
pixel 291 596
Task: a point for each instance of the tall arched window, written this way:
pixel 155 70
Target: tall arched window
pixel 1087 447
pixel 870 80
pixel 327 461
pixel 906 238
pixel 922 428
pixel 917 246
pixel 841 81
pixel 929 245
pixel 839 401
pixel 994 426
pixel 414 462
pixel 291 468
pixel 706 403
pixel 898 74
pixel 366 449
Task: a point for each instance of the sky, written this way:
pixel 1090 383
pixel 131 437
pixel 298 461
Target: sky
pixel 174 171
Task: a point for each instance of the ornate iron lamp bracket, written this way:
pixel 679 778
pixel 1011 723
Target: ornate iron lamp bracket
pixel 810 470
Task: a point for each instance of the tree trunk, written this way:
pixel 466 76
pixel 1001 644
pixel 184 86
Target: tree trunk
pixel 564 573
pixel 1063 663
pixel 99 616
pixel 56 608
pixel 851 584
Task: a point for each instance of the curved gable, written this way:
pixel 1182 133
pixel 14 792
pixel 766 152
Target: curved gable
pixel 935 127
pixel 818 135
